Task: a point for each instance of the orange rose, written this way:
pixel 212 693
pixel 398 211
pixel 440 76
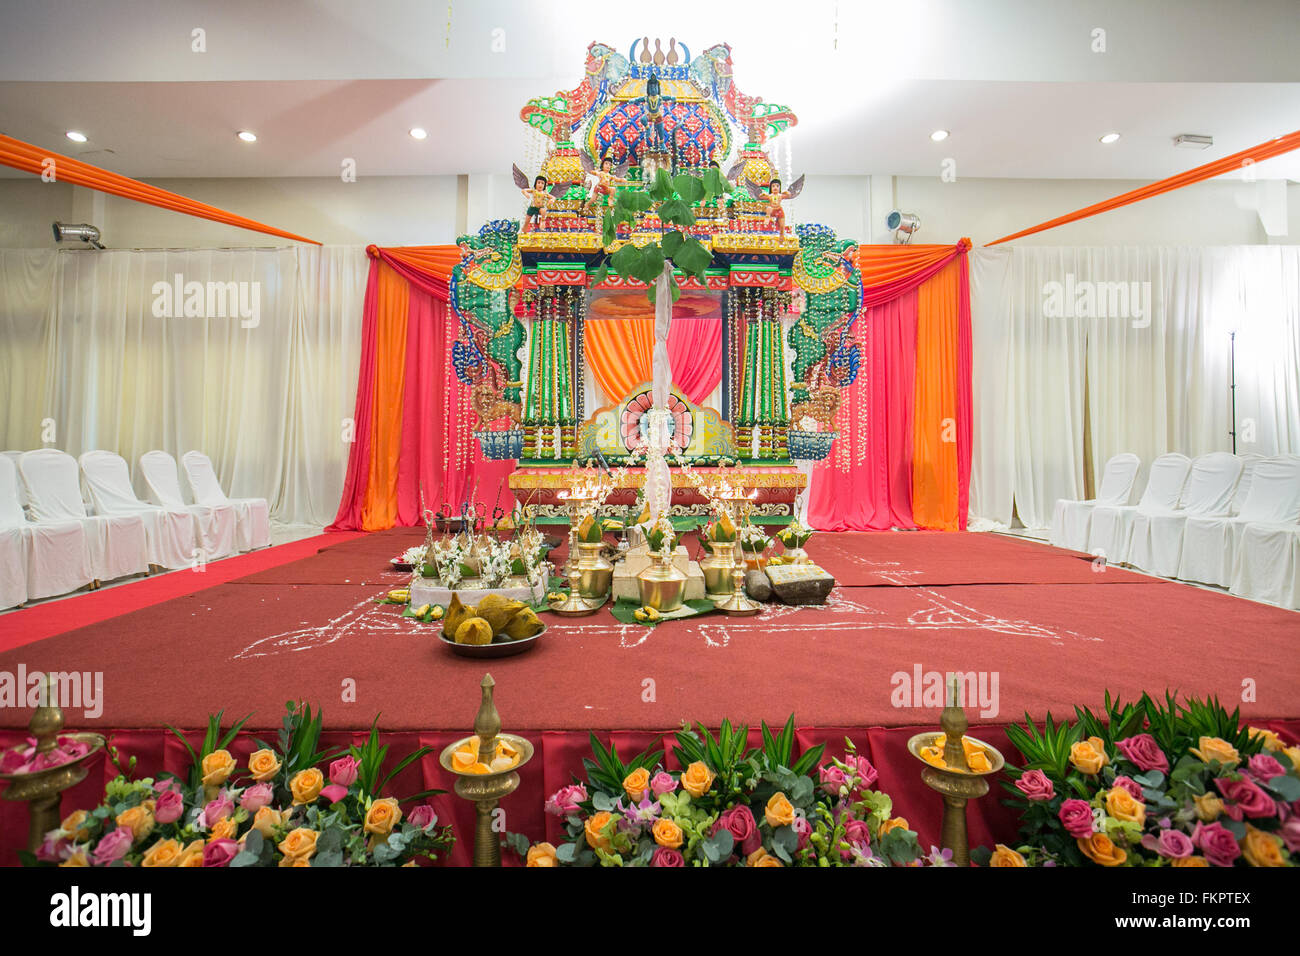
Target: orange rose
pixel 540 854
pixel 667 833
pixel 1216 748
pixel 1005 856
pixel 266 819
pixel 299 844
pixel 306 785
pixel 779 811
pixel 382 816
pixel 1121 805
pixel 893 823
pixel 1271 740
pixel 217 768
pixel 223 829
pixel 1087 757
pixel 163 853
pixel 263 765
pixel 1189 861
pixel 1208 806
pixel 300 861
pixel 1293 754
pixel 697 779
pixel 636 783
pixel 72 826
pixel 192 855
pixel 76 858
pixel 1261 849
pixel 1100 849
pixel 596 823
pixel 139 819
pixel 761 857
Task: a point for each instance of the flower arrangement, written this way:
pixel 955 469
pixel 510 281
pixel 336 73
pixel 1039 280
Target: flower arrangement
pixel 659 534
pixel 794 535
pixel 731 805
pixel 281 809
pixel 753 540
pixel 1153 784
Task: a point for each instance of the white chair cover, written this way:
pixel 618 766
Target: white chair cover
pixel 116 543
pixel 169 534
pixel 1248 463
pixel 1267 566
pixel 1156 541
pixel 1210 543
pixel 254 525
pixel 22 494
pixel 54 559
pixel 214 528
pixel 1111 524
pixel 1071 519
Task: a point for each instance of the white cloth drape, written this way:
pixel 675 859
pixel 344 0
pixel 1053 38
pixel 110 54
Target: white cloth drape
pixel 88 364
pixel 1136 338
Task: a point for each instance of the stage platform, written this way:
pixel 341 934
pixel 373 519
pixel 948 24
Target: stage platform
pixel 1054 628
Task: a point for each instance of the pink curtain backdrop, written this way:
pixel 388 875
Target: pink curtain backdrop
pixel 695 353
pixel 866 483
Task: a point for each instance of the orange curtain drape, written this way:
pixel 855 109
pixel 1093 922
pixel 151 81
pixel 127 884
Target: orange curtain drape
pixel 392 307
pixel 935 480
pixel 619 352
pixel 437 261
pixel 882 264
pixel 1237 161
pixel 32 159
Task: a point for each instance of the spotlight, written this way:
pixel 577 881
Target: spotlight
pixel 1110 138
pixel 75 136
pixel 904 225
pixel 939 135
pixel 248 136
pixel 418 133
pixel 79 230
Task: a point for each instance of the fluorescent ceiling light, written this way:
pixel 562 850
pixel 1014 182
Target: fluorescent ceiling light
pixel 939 135
pixel 247 136
pixel 75 136
pixel 1110 138
pixel 419 133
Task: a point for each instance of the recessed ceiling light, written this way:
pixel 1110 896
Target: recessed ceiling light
pixel 419 133
pixel 76 137
pixel 247 136
pixel 1110 138
pixel 939 135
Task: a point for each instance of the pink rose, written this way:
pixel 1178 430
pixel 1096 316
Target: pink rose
pixel 1132 786
pixel 803 828
pixel 662 783
pixel 12 761
pixel 52 847
pixel 422 816
pixel 344 771
pixel 1142 751
pixel 833 779
pixel 1035 785
pixel 113 846
pixel 256 797
pixel 1244 797
pixel 663 856
pixel 1217 844
pixel 1173 844
pixel 220 852
pixel 1290 833
pixel 167 783
pixel 564 802
pixel 73 749
pixel 739 820
pixel 1265 767
pixel 864 769
pixel 217 809
pixel 334 792
pixel 858 832
pixel 168 806
pixel 1076 817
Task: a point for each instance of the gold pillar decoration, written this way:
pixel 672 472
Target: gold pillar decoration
pixel 738 603
pixel 487 789
pixel 955 781
pixel 43 789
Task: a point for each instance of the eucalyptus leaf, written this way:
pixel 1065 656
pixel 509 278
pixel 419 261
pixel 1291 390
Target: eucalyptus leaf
pixel 565 852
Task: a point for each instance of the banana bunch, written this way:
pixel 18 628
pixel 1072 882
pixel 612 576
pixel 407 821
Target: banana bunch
pixel 647 614
pixel 400 595
pixel 427 613
pixel 494 617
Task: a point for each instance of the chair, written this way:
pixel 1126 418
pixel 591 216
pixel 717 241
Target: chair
pixel 253 529
pixel 1070 519
pixel 214 528
pixel 1111 524
pixel 1248 463
pixel 1267 565
pixel 1156 540
pixel 1210 544
pixel 14 456
pixel 116 543
pixel 41 558
pixel 169 534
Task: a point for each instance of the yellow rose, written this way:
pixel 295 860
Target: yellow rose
pixel 594 825
pixel 1216 748
pixel 192 855
pixel 382 816
pixel 893 823
pixel 761 857
pixel 163 853
pixel 217 768
pixel 1100 849
pixel 1293 754
pixel 139 819
pixel 1208 806
pixel 263 765
pixel 77 858
pixel 266 819
pixel 541 854
pixel 1261 849
pixel 1189 861
pixel 1121 805
pixel 299 844
pixel 72 826
pixel 1005 856
pixel 306 785
pixel 697 779
pixel 636 783
pixel 667 833
pixel 779 811
pixel 299 861
pixel 1271 740
pixel 1087 757
pixel 223 829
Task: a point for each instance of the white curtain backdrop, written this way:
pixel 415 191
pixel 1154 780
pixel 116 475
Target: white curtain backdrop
pixel 1082 353
pixel 85 355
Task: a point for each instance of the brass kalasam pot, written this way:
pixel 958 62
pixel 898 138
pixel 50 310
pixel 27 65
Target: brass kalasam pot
pixel 717 568
pixel 594 572
pixel 661 585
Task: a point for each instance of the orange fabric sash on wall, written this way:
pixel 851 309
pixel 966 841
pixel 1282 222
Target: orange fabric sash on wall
pixel 934 418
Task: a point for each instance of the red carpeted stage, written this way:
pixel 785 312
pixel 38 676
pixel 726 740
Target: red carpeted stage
pixel 1054 629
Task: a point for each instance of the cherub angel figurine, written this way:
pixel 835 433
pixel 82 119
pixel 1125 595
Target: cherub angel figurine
pixel 539 196
pixel 774 197
pixel 607 177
